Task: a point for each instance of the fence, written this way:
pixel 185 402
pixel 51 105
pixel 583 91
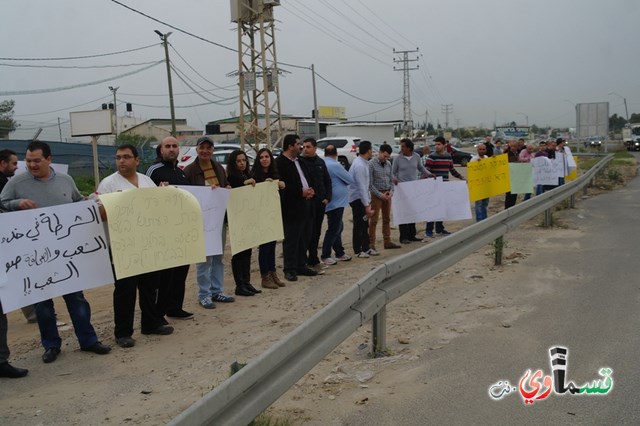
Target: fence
pixel 247 393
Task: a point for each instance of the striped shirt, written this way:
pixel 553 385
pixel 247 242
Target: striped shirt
pixel 441 165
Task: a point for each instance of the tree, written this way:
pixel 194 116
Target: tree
pixel 616 123
pixel 635 118
pixel 7 123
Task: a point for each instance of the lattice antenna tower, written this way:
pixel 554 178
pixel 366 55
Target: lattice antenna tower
pixel 260 119
pixel 407 124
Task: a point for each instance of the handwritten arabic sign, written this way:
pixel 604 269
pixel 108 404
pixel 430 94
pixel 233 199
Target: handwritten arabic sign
pixel 521 178
pixel 152 229
pixel 535 386
pixel 430 200
pixel 254 216
pixel 488 177
pixel 213 203
pixel 544 172
pixel 51 252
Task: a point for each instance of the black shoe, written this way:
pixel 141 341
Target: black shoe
pixel 414 238
pixel 308 272
pixel 242 290
pixel 126 342
pixel 404 241
pixel 50 355
pixel 290 276
pixel 252 288
pixel 163 330
pixel 180 314
pixel 97 348
pixel 11 372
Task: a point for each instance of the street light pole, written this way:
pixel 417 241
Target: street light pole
pixel 164 38
pixel 626 111
pixel 115 107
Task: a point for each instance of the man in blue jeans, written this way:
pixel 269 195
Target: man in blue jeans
pixel 340 181
pixel 43 187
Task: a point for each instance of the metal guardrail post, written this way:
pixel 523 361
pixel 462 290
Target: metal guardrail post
pixel 379 332
pixel 498 246
pixel 572 201
pixel 547 218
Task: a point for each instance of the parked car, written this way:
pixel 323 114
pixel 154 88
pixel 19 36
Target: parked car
pixel 190 154
pixel 347 147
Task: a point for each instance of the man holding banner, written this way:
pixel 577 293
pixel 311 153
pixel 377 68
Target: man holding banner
pixel 43 187
pixel 124 292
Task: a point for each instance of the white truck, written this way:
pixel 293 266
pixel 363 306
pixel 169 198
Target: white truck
pixel 631 137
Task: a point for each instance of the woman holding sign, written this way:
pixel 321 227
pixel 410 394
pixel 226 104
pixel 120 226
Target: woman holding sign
pixel 264 170
pixel 238 176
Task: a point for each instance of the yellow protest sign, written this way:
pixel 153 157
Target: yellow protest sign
pixel 152 229
pixel 254 216
pixel 488 177
pixel 573 175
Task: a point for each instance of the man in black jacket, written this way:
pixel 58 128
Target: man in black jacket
pixel 322 186
pixel 171 290
pixel 295 201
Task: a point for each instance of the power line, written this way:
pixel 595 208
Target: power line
pixel 75 86
pixel 76 66
pixel 63 109
pixel 174 27
pixel 386 24
pixel 353 96
pixel 194 70
pixel 375 112
pixel 354 23
pixel 79 57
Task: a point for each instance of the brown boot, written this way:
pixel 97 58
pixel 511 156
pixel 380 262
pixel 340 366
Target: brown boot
pixel 267 282
pixel 276 280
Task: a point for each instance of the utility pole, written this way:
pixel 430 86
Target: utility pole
pixel 164 38
pixel 115 107
pixel 406 96
pixel 315 102
pixel 59 130
pixel 257 60
pixel 446 110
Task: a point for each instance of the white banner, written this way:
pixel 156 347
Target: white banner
pixel 429 200
pixel 213 203
pixel 51 252
pixel 545 172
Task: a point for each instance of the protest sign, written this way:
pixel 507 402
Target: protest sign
pixel 544 172
pixel 213 204
pixel 152 229
pixel 51 252
pixel 521 178
pixel 254 216
pixel 488 177
pixel 429 200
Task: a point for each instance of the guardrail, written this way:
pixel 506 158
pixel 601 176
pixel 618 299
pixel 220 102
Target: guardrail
pixel 243 396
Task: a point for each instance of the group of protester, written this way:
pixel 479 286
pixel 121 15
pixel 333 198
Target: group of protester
pixel 518 151
pixel 310 187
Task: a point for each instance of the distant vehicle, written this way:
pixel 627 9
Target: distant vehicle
pixel 347 147
pixel 191 154
pixel 633 143
pixel 593 141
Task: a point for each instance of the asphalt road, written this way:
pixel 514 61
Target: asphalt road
pixel 590 304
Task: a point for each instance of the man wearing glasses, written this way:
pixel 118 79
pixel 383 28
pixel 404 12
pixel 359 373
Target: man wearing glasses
pixel 124 292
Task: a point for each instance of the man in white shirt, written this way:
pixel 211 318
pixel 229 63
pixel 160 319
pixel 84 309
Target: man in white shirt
pixel 124 292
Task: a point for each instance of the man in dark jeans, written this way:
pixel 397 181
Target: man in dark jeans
pixel 360 200
pixel 171 291
pixel 295 202
pixel 322 182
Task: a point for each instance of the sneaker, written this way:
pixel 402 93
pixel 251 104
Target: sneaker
pixel 428 234
pixel 372 252
pixel 180 314
pixel 329 261
pixel 345 258
pixel 362 255
pixel 207 303
pixel 223 298
pixel 444 232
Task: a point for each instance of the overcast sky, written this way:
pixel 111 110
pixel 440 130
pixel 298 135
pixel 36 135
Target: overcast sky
pixel 491 59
